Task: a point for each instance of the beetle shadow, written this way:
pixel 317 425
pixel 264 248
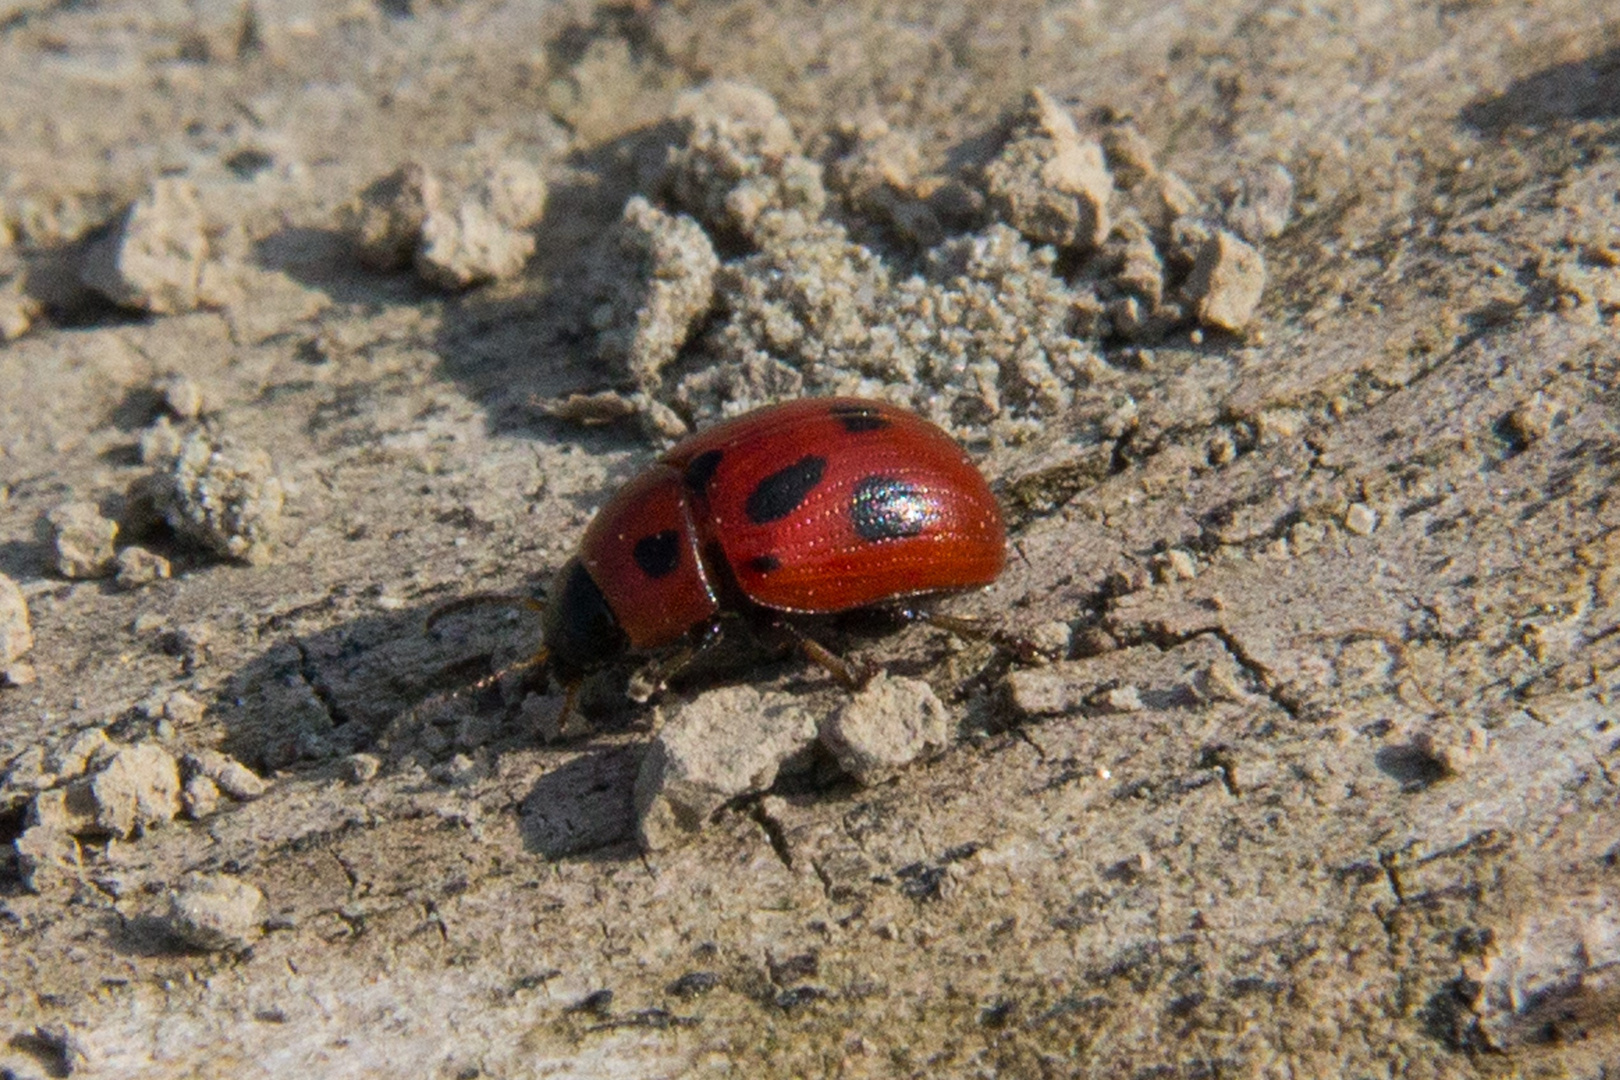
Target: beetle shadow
pixel 419 699
pixel 584 807
pixel 1584 89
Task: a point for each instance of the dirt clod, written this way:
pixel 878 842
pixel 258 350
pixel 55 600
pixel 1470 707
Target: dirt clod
pixel 1226 282
pixel 232 777
pixel 655 278
pixel 215 912
pixel 224 497
pixel 138 788
pixel 83 540
pixel 739 161
pixel 139 566
pixel 1048 182
pixel 16 632
pixel 886 726
pixel 722 744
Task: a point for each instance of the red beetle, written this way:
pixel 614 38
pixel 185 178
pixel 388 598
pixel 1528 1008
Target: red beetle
pixel 814 506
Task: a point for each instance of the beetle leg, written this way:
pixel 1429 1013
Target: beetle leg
pixel 971 629
pixel 852 676
pixel 464 603
pixel 652 678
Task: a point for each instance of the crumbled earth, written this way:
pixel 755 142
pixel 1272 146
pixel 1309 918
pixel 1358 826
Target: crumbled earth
pixel 1287 339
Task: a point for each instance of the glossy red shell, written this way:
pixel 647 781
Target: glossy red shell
pixel 820 505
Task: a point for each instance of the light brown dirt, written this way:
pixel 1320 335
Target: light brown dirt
pixel 1326 786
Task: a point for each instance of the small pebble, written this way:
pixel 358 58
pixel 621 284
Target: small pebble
pixel 152 258
pixel 1120 699
pixel 727 742
pixel 16 631
pixel 885 726
pixel 199 797
pixel 181 396
pixel 216 912
pixel 137 566
pixel 138 788
pixel 181 708
pixel 223 497
pixel 1360 519
pixel 1053 638
pixel 83 540
pixel 1226 282
pixel 1175 565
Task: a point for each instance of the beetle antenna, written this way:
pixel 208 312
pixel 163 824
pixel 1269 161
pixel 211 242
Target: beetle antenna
pixel 536 660
pixel 465 603
pixel 541 655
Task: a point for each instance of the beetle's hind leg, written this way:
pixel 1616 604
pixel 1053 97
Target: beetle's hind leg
pixel 851 675
pixel 968 628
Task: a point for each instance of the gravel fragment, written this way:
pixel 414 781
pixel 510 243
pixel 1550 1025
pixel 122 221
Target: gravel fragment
pixel 79 753
pixel 223 497
pixel 884 727
pixel 467 244
pixel 1226 282
pixel 1168 199
pixel 152 259
pixel 656 280
pixel 138 566
pixel 1053 638
pixel 83 540
pixel 1048 182
pixel 138 788
pixel 739 159
pixel 1360 519
pixel 456 234
pixel 181 708
pixel 722 744
pixel 181 396
pixel 16 632
pixel 358 768
pixel 199 797
pixel 1129 155
pixel 1175 565
pixel 216 912
pixel 1529 421
pixel 232 777
pixel 48 857
pixel 1120 699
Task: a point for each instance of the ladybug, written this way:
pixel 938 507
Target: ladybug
pixel 815 506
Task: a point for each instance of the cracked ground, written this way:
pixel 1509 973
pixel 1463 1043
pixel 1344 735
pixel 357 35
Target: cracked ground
pixel 1325 786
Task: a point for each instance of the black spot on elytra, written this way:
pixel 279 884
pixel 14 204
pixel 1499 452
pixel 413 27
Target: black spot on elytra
pixel 764 564
pixel 700 471
pixel 658 554
pixel 859 418
pixel 782 492
pixel 885 508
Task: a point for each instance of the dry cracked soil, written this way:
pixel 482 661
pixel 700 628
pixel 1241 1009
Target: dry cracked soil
pixel 1321 782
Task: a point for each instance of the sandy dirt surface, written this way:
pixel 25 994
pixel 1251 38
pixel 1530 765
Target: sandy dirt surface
pixel 1322 780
